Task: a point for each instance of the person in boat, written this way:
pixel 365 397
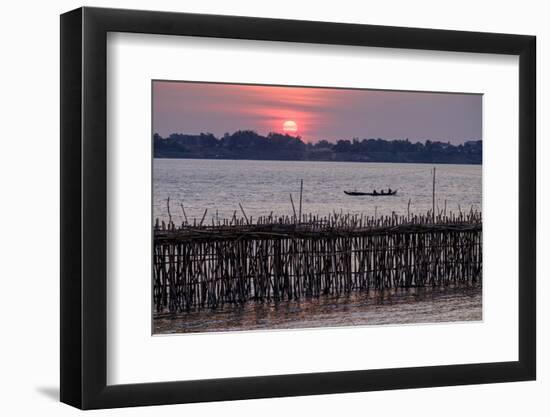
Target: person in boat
pixel 382 192
pixel 374 192
pixel 389 190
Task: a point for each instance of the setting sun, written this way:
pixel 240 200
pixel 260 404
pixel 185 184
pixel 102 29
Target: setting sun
pixel 290 126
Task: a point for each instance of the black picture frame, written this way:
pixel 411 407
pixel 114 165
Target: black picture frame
pixel 84 207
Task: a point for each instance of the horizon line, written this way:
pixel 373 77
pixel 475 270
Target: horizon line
pixel 334 141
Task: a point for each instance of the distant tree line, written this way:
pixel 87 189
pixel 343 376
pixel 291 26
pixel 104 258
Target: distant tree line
pixel 247 144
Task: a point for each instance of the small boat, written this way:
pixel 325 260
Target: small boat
pixel 376 194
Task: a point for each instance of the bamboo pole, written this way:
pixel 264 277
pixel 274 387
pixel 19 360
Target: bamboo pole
pixel 168 209
pixel 244 214
pixel 433 197
pixel 184 214
pixel 203 217
pixel 300 208
pixel 293 208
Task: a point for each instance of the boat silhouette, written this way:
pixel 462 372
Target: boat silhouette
pixel 373 194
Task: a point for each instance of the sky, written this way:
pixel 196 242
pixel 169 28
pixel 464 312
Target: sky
pixel 315 113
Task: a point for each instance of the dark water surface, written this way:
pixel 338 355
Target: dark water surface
pixel 402 306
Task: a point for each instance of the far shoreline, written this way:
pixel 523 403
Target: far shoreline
pixel 315 160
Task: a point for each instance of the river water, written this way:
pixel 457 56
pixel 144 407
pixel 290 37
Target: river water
pixel 264 186
pixel 401 306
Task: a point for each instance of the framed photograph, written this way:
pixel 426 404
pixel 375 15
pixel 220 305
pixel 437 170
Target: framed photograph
pixel 256 208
